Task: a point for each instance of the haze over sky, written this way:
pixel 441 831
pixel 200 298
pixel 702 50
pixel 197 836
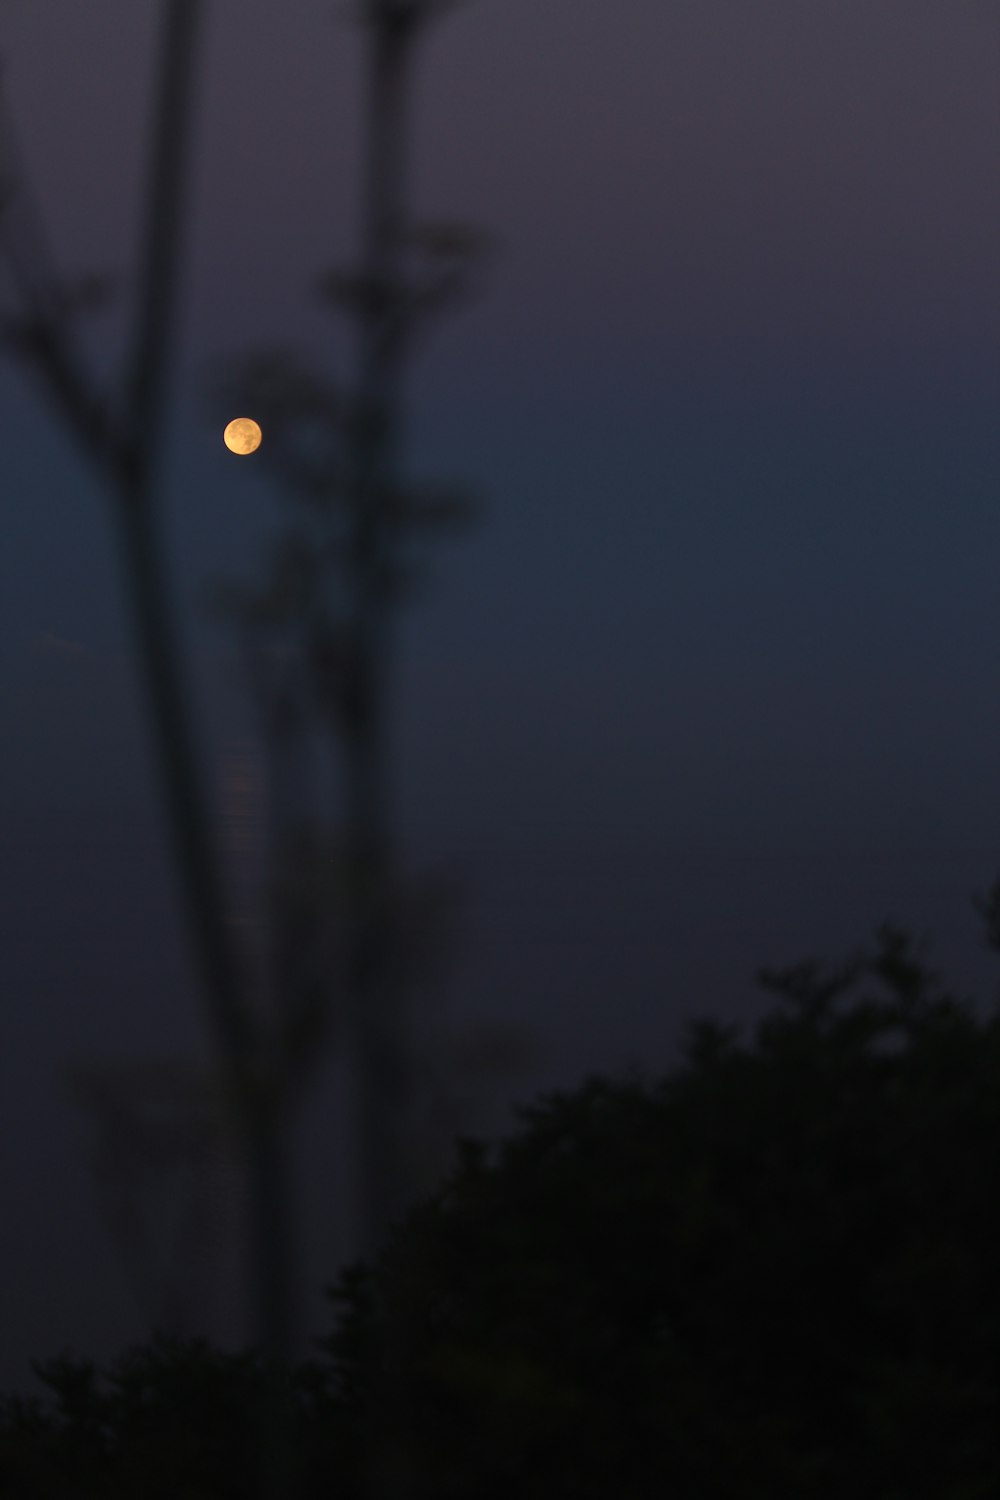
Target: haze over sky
pixel 717 681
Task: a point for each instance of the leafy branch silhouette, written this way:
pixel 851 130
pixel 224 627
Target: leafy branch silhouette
pixel 314 634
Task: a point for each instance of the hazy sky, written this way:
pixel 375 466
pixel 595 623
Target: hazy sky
pixel 715 684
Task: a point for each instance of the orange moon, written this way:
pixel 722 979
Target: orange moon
pixel 242 435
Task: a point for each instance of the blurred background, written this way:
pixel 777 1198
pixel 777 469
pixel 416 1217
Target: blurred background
pixel 717 681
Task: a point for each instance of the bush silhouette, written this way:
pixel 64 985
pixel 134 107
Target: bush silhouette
pixel 770 1272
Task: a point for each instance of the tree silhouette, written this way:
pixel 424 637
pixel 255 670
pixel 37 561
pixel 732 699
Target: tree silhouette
pixel 348 470
pixel 316 631
pixel 121 434
pixel 317 636
pixel 769 1273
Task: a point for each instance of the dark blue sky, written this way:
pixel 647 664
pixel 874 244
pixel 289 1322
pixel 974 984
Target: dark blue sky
pixel 716 683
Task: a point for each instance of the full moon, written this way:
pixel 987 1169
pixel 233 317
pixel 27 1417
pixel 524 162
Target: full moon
pixel 242 435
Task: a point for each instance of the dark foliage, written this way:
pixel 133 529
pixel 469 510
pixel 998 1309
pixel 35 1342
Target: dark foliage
pixel 770 1273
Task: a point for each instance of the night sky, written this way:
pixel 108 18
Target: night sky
pixel 715 683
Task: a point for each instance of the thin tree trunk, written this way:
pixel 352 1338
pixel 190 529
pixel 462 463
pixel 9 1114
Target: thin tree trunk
pixel 169 702
pixel 379 1022
pixel 380 1025
pixel 167 694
